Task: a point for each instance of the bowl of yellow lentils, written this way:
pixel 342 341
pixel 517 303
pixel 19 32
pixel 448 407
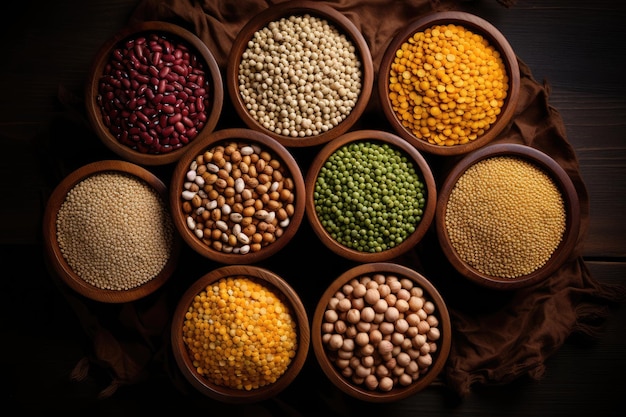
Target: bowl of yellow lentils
pixel 507 216
pixel 449 83
pixel 240 334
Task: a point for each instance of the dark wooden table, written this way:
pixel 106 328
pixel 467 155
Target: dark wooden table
pixel 577 47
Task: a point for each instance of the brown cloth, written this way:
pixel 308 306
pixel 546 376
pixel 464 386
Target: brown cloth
pixel 493 342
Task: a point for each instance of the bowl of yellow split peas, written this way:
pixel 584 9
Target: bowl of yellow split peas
pixel 240 334
pixel 449 83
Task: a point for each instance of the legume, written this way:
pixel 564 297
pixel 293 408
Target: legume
pixel 299 76
pixel 240 333
pixel 114 231
pixel 154 93
pixel 381 331
pixel 447 85
pixel 505 217
pixel 369 196
pixel 238 197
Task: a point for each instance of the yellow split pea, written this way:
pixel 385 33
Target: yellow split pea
pixel 447 85
pixel 240 334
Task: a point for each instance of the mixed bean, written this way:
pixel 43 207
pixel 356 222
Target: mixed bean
pixel 381 331
pixel 238 197
pixel 369 196
pixel 154 93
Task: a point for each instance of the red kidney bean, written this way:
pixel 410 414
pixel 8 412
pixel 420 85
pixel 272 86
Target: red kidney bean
pixel 153 93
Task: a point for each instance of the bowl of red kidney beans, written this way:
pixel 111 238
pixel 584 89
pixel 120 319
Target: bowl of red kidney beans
pixel 153 88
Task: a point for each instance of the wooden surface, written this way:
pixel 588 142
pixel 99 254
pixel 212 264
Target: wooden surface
pixel 576 47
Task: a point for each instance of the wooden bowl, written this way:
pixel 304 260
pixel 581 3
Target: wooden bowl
pixel 539 218
pixel 278 205
pixel 375 196
pixel 250 114
pixel 160 105
pixel 227 391
pixel 102 218
pixel 485 135
pixel 328 345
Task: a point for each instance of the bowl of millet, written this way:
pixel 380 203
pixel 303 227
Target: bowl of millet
pixel 237 196
pixel 153 88
pixel 381 332
pixel 240 334
pixel 108 233
pixel 449 82
pixel 508 216
pixel 301 72
pixel 370 196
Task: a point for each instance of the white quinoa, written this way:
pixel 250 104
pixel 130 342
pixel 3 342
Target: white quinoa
pixel 114 231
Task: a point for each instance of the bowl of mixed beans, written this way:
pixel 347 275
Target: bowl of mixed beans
pixel 237 196
pixel 370 196
pixel 153 89
pixel 449 82
pixel 240 334
pixel 508 216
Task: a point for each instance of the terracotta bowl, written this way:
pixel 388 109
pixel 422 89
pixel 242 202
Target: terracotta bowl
pixel 76 234
pixel 345 97
pixel 371 203
pixel 295 339
pixel 227 193
pixel 453 92
pixel 343 332
pixel 153 89
pixel 525 249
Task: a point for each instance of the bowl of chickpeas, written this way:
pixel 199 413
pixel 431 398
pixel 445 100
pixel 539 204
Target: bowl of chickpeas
pixel 508 216
pixel 108 234
pixel 237 196
pixel 240 334
pixel 370 196
pixel 301 72
pixel 381 332
pixel 449 82
pixel 153 88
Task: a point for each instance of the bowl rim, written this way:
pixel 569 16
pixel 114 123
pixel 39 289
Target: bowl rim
pixel 444 342
pixel 426 177
pixel 477 25
pixel 560 178
pixel 343 25
pixel 244 135
pixel 95 73
pixel 232 395
pixel 57 262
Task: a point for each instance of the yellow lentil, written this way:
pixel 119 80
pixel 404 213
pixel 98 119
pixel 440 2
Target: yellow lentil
pixel 447 85
pixel 240 333
pixel 505 217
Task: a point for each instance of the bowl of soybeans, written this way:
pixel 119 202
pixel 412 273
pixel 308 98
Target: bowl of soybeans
pixel 508 216
pixel 153 89
pixel 381 332
pixel 449 82
pixel 240 334
pixel 237 196
pixel 301 72
pixel 108 233
pixel 370 196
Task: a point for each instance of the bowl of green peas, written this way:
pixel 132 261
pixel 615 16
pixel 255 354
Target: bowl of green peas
pixel 370 196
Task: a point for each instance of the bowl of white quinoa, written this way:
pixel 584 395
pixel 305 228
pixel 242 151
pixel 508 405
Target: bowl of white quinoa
pixel 108 233
pixel 507 216
pixel 300 72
